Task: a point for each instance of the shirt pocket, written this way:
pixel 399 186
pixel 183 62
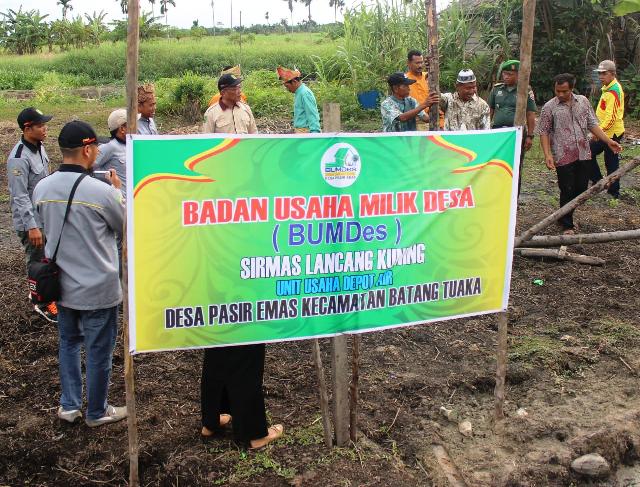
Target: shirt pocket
pixel 36 164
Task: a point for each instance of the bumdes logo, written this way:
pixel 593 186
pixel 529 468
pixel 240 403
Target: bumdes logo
pixel 340 165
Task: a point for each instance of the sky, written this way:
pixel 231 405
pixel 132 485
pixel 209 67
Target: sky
pixel 186 11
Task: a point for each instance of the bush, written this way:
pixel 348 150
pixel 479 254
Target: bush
pixel 189 94
pixel 12 79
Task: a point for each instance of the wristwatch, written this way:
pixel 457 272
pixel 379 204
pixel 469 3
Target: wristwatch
pixel 529 137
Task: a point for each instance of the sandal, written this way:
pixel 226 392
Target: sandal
pixel 274 432
pixel 225 419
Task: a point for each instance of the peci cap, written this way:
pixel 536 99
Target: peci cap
pixel 399 78
pixel 117 119
pixel 228 81
pixel 465 76
pixel 31 116
pixel 77 134
pixel 606 65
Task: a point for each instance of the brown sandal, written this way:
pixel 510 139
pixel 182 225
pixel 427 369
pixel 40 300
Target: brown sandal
pixel 274 432
pixel 225 419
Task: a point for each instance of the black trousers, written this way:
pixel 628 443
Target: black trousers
pixel 573 180
pixel 611 162
pixel 232 384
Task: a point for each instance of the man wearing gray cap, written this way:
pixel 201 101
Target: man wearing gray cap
pixel 113 154
pixel 610 114
pixel 464 109
pixel 27 164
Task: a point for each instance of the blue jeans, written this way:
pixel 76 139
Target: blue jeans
pixel 96 330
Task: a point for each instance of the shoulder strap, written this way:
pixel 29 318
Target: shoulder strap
pixel 66 213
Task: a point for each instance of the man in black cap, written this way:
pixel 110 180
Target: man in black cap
pixel 27 164
pixel 229 115
pixel 399 110
pixel 88 260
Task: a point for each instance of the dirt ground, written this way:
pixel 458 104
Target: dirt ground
pixel 574 358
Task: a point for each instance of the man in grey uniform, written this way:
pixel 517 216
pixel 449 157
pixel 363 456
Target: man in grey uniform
pixel 113 154
pixel 88 261
pixel 27 164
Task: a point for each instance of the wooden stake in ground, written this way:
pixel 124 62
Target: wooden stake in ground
pixel 324 395
pixel 577 201
pixel 434 60
pixel 355 375
pixel 339 354
pixel 133 29
pixel 501 370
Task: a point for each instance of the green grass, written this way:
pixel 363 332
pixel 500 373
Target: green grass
pixel 608 334
pixel 162 58
pixel 538 349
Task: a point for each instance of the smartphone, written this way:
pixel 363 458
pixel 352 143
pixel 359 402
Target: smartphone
pixel 102 176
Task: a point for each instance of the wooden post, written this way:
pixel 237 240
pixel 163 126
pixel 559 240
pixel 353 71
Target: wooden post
pixel 501 370
pixel 322 389
pixel 331 117
pixel 526 45
pixel 355 375
pixel 339 353
pixel 340 381
pixel 434 61
pixel 133 29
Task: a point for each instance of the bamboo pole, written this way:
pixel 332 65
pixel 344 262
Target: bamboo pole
pixel 526 46
pixel 434 61
pixel 582 238
pixel 501 369
pixel 133 30
pixel 560 254
pixel 322 390
pixel 577 201
pixel 355 376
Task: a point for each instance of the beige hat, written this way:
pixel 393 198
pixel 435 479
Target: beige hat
pixel 605 66
pixel 117 119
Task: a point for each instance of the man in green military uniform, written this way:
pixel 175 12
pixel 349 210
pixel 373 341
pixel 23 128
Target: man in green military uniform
pixel 502 106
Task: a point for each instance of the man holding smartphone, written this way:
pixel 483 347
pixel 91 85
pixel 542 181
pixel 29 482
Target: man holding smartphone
pixel 89 282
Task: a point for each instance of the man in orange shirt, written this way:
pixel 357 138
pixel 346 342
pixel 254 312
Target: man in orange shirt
pixel 420 89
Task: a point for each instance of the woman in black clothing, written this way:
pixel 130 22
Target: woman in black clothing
pixel 231 387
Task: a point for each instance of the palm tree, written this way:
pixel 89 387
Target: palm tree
pixel 290 2
pixel 164 7
pixel 153 3
pixel 66 5
pixel 266 17
pixel 336 4
pixel 307 3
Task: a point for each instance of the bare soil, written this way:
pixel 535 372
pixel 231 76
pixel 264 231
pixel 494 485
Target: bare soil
pixel 573 373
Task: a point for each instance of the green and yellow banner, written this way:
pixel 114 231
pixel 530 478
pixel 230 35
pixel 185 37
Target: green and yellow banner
pixel 271 238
